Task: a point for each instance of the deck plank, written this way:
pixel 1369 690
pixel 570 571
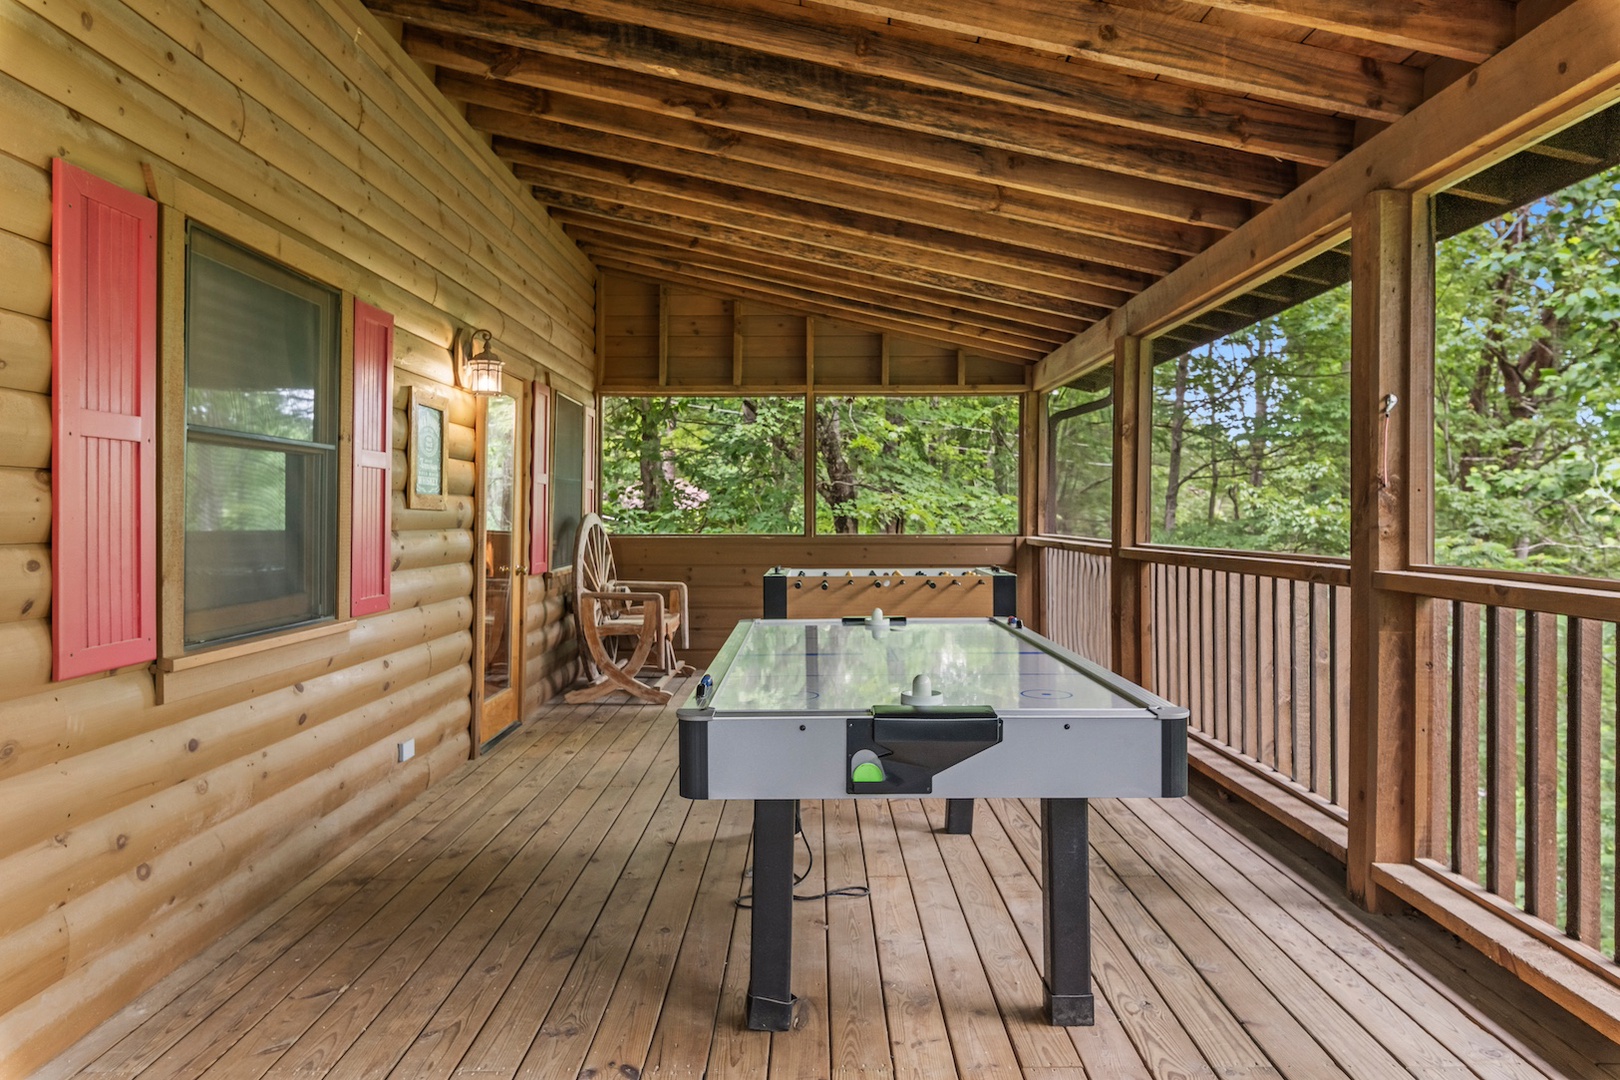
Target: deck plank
pixel 384 857
pixel 918 1037
pixel 558 910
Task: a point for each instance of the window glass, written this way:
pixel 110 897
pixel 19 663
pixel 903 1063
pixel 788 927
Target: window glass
pixel 567 477
pixel 261 444
pixel 1527 371
pixel 1080 457
pixel 1251 426
pixel 703 465
pixel 926 465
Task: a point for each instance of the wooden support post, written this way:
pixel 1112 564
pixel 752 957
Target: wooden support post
pixel 809 426
pixel 736 343
pixel 1034 480
pixel 1391 643
pixel 663 335
pixel 1130 617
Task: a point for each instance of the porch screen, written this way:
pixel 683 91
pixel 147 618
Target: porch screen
pixel 261 444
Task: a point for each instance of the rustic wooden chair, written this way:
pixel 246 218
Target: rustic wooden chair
pixel 624 626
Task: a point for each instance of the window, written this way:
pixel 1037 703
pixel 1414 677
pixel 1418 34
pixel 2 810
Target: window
pixel 1080 456
pixel 567 477
pixel 261 427
pixel 927 465
pixel 1251 419
pixel 1527 371
pixel 704 465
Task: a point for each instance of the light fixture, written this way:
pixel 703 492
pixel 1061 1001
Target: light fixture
pixel 478 369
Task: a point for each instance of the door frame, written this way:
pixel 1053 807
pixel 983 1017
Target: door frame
pixel 508 702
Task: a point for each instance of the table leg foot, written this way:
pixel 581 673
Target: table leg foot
pixel 959 816
pixel 1070 1010
pixel 767 1014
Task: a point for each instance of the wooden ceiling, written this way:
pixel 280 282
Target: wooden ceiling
pixel 991 174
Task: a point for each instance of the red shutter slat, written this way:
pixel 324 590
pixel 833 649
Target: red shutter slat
pixel 540 490
pixel 104 424
pixel 370 527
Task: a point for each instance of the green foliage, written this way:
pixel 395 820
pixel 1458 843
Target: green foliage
pixel 940 465
pixel 696 465
pixel 1251 446
pixel 1080 434
pixel 1527 387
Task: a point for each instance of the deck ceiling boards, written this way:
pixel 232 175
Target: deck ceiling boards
pixel 943 165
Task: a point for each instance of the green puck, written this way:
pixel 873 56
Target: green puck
pixel 867 772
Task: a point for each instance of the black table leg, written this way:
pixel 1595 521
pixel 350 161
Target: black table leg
pixel 959 816
pixel 770 1001
pixel 1066 898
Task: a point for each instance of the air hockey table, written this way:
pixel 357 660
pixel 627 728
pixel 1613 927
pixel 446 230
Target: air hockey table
pixel 876 707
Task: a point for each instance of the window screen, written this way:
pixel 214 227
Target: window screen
pixel 567 478
pixel 261 444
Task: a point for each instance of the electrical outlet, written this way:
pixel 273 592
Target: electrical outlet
pixel 407 750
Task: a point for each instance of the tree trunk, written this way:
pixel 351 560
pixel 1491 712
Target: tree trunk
pixel 838 489
pixel 1178 427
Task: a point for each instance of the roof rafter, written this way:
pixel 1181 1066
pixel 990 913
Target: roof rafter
pixel 1140 41
pixel 985 69
pixel 1471 30
pixel 633 161
pixel 518 70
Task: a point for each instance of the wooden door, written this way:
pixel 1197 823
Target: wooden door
pixel 501 542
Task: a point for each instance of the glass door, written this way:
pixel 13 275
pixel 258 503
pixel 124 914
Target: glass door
pixel 502 544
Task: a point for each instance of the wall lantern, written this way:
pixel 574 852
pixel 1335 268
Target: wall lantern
pixel 478 369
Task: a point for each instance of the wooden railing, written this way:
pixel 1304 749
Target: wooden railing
pixel 1513 783
pixel 1519 816
pixel 1073 595
pixel 1258 648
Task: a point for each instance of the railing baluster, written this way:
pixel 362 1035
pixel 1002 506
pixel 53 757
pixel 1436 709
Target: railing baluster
pixel 1206 660
pixel 1321 692
pixel 1584 687
pixel 1501 753
pixel 1265 634
pixel 1338 661
pixel 1432 830
pixel 1541 765
pixel 1302 682
pixel 1465 740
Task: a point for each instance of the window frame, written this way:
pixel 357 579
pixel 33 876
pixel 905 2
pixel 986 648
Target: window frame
pixel 564 559
pixel 179 666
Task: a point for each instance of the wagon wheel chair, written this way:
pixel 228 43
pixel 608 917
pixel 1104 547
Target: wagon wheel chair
pixel 624 626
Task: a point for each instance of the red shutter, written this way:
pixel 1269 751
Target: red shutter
pixel 371 553
pixel 104 424
pixel 540 493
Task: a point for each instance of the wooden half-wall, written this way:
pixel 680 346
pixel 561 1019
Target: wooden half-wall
pixel 724 574
pixel 145 813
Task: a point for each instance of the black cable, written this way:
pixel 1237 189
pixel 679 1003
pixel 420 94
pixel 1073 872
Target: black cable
pixel 746 900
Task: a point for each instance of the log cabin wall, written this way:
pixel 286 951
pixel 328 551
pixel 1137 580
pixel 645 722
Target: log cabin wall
pixel 146 815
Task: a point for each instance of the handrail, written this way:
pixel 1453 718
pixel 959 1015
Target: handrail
pixel 1553 598
pixel 1320 569
pixel 1070 543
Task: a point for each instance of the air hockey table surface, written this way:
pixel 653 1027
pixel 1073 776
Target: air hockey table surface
pixel 774 719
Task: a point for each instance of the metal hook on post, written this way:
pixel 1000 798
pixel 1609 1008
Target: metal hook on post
pixel 1385 407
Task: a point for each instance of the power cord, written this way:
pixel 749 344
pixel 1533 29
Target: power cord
pixel 746 900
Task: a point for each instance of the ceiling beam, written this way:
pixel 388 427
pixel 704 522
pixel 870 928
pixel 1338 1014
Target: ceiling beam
pixel 753 248
pixel 990 70
pixel 792 219
pixel 1470 30
pixel 792 286
pixel 530 80
pixel 633 161
pixel 719 285
pixel 597 129
pixel 857 99
pixel 1143 42
pixel 833 281
pixel 838 246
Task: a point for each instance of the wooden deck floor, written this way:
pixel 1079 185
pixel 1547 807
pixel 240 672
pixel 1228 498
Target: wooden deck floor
pixel 558 911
